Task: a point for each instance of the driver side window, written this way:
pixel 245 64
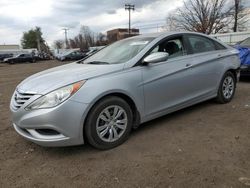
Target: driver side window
pixel 174 47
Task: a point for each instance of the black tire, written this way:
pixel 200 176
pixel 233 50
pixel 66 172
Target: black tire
pixel 221 98
pixel 12 62
pixel 91 122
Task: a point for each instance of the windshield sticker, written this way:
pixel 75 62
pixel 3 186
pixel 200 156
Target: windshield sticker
pixel 139 43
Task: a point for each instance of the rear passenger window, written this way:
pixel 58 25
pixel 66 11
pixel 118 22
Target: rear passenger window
pixel 219 46
pixel 201 44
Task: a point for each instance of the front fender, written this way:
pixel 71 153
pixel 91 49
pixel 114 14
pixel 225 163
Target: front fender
pixel 127 82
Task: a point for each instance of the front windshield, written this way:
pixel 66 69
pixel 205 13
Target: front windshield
pixel 119 52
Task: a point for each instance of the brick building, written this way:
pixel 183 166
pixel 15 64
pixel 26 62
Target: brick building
pixel 120 33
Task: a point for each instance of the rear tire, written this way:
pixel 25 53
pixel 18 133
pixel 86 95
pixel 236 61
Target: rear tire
pixel 109 123
pixel 227 87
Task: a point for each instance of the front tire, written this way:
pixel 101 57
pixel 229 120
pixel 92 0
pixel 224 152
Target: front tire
pixel 109 123
pixel 227 88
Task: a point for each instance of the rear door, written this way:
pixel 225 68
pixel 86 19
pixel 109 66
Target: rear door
pixel 21 58
pixel 205 59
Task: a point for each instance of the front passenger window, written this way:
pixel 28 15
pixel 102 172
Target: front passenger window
pixel 173 47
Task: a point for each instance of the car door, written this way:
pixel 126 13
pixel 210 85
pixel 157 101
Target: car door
pixel 69 56
pixel 205 57
pixel 27 58
pixel 77 56
pixel 167 84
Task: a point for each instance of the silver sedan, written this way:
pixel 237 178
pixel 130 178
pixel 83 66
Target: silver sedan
pixel 101 98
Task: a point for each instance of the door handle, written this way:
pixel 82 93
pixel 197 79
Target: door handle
pixel 188 65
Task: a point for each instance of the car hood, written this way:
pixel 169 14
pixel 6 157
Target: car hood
pixel 8 58
pixel 51 79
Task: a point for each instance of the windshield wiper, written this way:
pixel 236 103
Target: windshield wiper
pixel 97 62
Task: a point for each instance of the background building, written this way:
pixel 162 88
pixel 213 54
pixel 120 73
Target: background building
pixel 120 33
pixel 15 49
pixel 9 47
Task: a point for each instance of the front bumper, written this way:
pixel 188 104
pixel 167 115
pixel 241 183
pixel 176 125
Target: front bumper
pixel 59 126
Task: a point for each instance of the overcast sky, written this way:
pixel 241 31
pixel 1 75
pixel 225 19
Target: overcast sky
pixel 17 16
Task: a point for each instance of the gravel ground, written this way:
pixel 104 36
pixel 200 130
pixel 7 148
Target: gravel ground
pixel 207 145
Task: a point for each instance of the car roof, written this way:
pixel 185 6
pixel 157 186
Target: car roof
pixel 168 33
pixel 162 35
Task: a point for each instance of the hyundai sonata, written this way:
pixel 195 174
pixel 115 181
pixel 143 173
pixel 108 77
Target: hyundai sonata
pixel 101 98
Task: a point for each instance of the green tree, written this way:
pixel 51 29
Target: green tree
pixel 33 39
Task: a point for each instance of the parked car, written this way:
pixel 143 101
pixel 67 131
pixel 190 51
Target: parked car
pixel 244 49
pixel 101 98
pixel 77 55
pixel 20 58
pixel 3 56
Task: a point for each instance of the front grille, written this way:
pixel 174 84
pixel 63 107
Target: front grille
pixel 20 99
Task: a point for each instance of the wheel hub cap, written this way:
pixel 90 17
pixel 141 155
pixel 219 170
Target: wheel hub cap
pixel 111 123
pixel 228 87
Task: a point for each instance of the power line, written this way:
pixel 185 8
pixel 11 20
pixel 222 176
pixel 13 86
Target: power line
pixel 150 25
pixel 141 23
pixel 129 7
pixel 156 26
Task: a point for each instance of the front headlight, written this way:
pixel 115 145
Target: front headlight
pixel 55 97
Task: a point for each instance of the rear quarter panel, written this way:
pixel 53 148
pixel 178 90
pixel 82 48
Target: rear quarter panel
pixel 230 61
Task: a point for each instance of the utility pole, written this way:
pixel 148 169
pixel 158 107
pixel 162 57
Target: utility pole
pixel 129 7
pixel 38 42
pixel 66 38
pixel 236 14
pixel 38 39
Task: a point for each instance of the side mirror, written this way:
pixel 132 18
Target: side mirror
pixel 156 57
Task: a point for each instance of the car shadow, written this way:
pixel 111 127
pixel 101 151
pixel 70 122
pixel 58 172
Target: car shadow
pixel 161 121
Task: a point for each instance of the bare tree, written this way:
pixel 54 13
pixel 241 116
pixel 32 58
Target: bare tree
pixel 101 40
pixel 73 43
pixel 87 38
pixel 172 23
pixel 205 16
pixel 239 15
pixel 58 44
pixel 81 42
pixel 88 35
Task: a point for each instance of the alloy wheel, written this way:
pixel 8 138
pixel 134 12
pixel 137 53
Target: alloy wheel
pixel 111 123
pixel 228 87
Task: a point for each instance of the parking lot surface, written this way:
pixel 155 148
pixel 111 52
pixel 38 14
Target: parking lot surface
pixel 207 145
